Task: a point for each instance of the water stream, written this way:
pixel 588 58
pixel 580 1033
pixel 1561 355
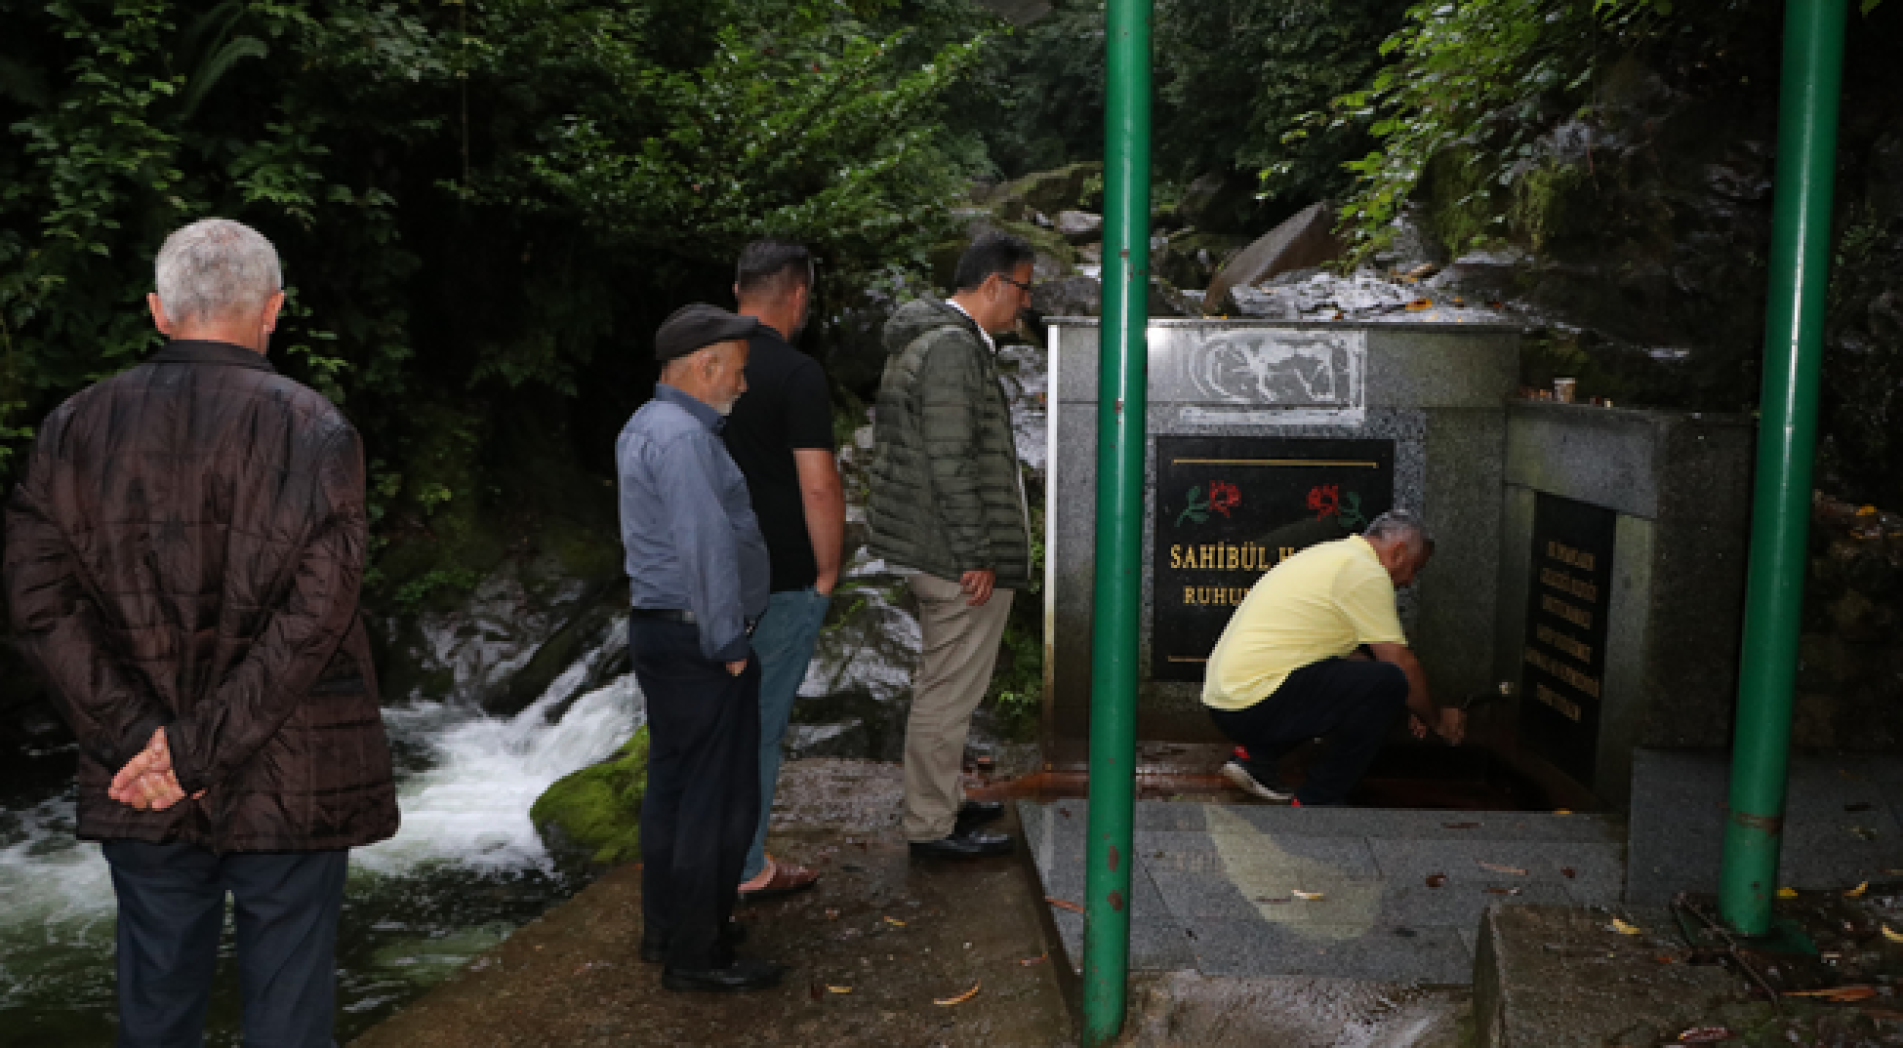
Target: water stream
pixel 465 870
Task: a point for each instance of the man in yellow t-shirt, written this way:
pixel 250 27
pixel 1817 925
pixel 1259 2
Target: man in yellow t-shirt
pixel 1290 666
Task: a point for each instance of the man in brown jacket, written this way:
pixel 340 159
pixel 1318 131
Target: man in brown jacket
pixel 183 558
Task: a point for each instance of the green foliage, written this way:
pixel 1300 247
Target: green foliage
pixel 1479 82
pixel 1016 691
pixel 1243 80
pixel 795 125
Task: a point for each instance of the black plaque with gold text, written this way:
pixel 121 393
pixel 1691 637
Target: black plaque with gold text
pixel 1229 508
pixel 1564 660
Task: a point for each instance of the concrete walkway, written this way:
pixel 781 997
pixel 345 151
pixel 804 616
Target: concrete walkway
pixel 1400 892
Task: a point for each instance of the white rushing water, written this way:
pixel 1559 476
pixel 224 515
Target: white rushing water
pixel 468 809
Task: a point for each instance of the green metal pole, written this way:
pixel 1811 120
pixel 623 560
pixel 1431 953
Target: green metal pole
pixel 1123 353
pixel 1780 515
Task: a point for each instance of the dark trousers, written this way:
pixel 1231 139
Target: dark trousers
pixel 1350 702
pixel 171 912
pixel 703 795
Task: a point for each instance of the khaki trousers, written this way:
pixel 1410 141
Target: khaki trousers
pixel 960 650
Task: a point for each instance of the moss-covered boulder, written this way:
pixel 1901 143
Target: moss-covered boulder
pixel 593 817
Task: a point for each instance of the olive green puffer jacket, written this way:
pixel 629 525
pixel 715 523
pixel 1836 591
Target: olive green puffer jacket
pixel 946 493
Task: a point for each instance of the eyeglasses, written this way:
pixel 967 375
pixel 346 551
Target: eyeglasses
pixel 1026 288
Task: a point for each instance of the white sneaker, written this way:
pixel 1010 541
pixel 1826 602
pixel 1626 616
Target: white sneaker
pixel 1239 777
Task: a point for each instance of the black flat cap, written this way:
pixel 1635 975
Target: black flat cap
pixel 698 325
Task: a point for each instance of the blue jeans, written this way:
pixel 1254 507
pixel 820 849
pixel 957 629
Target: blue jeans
pixel 171 912
pixel 783 642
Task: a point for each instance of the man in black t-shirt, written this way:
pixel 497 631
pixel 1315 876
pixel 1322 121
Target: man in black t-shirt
pixel 781 436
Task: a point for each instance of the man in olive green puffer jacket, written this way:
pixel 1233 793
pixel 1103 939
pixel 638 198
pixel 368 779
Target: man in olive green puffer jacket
pixel 947 505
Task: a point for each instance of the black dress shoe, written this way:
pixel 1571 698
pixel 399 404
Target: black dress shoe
pixel 963 844
pixel 740 976
pixel 654 943
pixel 977 813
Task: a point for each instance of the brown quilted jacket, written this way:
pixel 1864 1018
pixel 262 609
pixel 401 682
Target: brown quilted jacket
pixel 185 550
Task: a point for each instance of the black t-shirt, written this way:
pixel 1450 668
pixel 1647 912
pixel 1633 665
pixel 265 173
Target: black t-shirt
pixel 787 405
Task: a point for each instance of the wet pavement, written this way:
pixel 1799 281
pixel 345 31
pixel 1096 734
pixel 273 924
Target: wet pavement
pixel 871 950
pixel 1390 896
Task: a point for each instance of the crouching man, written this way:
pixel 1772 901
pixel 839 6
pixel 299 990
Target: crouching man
pixel 1289 666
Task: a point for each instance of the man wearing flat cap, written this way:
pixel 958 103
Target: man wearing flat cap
pixel 697 568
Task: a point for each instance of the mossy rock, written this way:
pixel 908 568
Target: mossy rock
pixel 1046 191
pixel 593 816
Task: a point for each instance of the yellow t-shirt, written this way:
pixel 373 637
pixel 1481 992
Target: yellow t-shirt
pixel 1322 603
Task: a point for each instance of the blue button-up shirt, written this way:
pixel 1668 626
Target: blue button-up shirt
pixel 687 524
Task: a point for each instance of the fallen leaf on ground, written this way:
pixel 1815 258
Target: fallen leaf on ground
pixel 1435 880
pixel 1269 901
pixel 1039 959
pixel 1705 1035
pixel 1063 904
pixel 832 914
pixel 1300 894
pixel 1787 893
pixel 961 998
pixel 1837 993
pixel 1515 870
pixel 1892 934
pixel 1562 811
pixel 838 989
pixel 1857 892
pixel 1419 304
pixel 1624 927
pixel 1567 872
pixel 895 922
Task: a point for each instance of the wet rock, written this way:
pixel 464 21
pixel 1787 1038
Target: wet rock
pixel 473 651
pixel 1047 191
pixel 1305 240
pixel 1079 227
pixel 1410 245
pixel 592 817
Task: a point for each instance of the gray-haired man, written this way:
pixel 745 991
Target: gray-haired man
pixel 1289 667
pixel 182 565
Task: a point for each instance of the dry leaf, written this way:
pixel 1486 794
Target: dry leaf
pixel 1300 894
pixel 1567 872
pixel 1837 993
pixel 1787 893
pixel 838 989
pixel 895 922
pixel 1705 1035
pixel 1420 304
pixel 961 998
pixel 1562 811
pixel 1435 880
pixel 1039 959
pixel 1515 870
pixel 1892 934
pixel 1063 904
pixel 1624 927
pixel 1857 892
